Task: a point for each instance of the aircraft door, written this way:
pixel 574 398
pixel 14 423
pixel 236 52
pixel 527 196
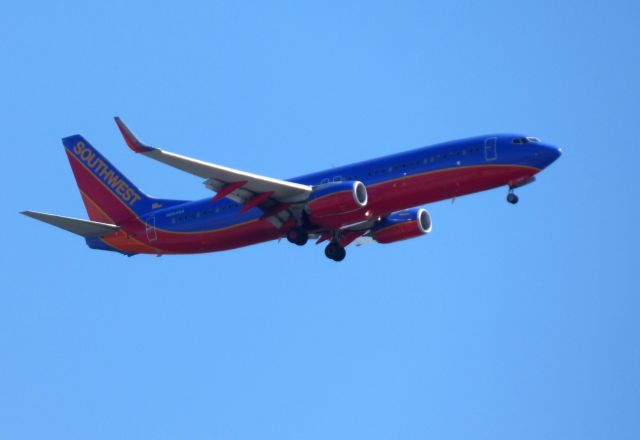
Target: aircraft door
pixel 490 149
pixel 151 229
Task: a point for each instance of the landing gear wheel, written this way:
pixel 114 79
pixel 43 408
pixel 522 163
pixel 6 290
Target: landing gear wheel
pixel 335 252
pixel 297 236
pixel 512 198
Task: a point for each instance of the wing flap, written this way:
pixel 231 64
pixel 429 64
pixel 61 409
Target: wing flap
pixel 84 228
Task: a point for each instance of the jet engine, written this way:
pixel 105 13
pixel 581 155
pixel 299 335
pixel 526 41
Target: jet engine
pixel 338 203
pixel 402 225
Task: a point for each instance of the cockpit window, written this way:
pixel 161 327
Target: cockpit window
pixel 525 140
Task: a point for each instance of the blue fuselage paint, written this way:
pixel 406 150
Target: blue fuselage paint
pixel 489 150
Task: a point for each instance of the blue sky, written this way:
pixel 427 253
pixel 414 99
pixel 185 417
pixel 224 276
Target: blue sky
pixel 506 322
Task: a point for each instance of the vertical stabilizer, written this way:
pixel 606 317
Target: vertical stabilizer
pixel 107 194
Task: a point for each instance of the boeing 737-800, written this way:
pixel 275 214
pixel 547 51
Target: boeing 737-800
pixel 378 198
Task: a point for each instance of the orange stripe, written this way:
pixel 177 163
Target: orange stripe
pixel 120 235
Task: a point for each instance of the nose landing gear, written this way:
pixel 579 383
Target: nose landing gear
pixel 517 183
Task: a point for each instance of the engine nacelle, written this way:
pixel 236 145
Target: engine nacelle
pixel 337 204
pixel 402 225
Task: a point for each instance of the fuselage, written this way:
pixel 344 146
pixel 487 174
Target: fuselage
pixel 393 182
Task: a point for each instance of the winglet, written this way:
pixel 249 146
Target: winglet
pixel 132 141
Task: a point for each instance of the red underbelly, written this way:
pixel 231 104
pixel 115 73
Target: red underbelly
pixel 420 189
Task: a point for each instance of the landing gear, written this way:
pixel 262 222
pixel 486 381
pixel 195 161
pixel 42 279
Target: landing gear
pixel 297 236
pixel 517 183
pixel 335 252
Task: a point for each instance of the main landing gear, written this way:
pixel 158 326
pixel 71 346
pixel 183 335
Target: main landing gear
pixel 297 236
pixel 335 252
pixel 512 198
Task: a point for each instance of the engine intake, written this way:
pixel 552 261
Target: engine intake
pixel 402 225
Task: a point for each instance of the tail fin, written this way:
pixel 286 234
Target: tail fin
pixel 107 194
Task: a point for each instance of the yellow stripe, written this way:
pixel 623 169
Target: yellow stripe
pixel 209 231
pixel 101 182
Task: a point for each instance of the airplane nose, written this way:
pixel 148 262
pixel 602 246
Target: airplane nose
pixel 547 154
pixel 552 153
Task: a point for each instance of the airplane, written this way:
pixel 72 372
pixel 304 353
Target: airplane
pixel 376 200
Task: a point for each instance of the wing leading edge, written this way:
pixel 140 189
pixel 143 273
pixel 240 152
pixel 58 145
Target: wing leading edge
pixel 84 228
pixel 239 186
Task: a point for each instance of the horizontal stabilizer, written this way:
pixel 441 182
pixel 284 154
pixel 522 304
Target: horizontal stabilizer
pixel 84 228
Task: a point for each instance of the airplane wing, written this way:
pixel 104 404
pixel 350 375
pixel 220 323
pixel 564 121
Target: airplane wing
pixel 242 187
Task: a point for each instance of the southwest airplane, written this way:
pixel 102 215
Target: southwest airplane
pixel 377 198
